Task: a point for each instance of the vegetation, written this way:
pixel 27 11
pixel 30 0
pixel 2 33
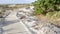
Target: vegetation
pixel 49 8
pixel 46 6
pixel 2 12
pixel 14 6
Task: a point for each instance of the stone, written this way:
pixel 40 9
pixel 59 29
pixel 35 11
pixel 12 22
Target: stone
pixel 37 26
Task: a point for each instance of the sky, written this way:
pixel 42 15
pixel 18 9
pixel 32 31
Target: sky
pixel 15 1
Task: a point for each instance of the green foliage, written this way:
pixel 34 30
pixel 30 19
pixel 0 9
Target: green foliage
pixel 45 6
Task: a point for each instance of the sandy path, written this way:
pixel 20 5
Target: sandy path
pixel 13 26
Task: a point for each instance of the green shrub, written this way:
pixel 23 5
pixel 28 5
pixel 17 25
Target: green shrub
pixel 45 6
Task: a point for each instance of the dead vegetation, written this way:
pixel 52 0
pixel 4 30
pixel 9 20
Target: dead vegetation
pixel 46 19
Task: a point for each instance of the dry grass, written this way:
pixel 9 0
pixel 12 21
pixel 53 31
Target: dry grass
pixel 47 19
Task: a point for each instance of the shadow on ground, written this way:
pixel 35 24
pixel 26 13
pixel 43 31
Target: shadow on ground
pixel 5 23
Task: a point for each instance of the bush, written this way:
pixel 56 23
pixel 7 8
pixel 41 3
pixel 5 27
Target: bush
pixel 45 6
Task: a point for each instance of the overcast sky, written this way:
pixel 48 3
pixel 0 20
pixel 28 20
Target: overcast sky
pixel 15 1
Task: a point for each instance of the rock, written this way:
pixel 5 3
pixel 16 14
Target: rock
pixel 22 13
pixel 47 28
pixel 38 26
pixel 29 22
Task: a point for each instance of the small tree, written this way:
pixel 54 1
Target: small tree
pixel 45 6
